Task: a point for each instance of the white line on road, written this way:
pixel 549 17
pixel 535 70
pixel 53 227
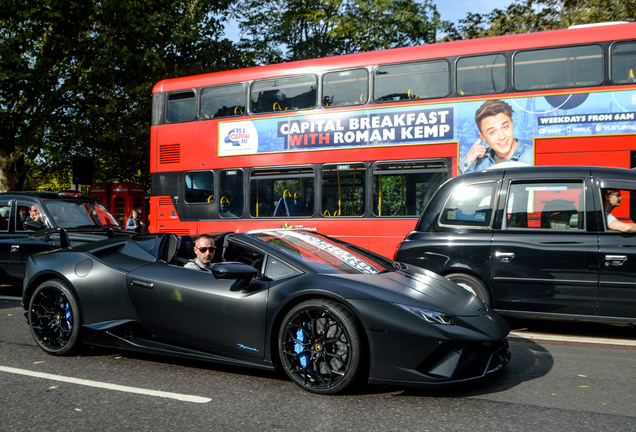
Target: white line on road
pixel 587 340
pixel 98 384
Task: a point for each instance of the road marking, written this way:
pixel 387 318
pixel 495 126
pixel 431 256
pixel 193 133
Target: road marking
pixel 107 386
pixel 583 340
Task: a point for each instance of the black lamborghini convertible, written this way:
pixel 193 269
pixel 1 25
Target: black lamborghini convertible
pixel 330 314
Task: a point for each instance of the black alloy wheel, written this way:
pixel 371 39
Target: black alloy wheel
pixel 54 318
pixel 320 347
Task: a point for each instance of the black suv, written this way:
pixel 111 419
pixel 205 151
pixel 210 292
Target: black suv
pixel 534 241
pixel 33 222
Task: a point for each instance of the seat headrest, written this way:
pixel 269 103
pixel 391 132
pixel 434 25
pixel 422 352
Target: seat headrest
pixel 186 247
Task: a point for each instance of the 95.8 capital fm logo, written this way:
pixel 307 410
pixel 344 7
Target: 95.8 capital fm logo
pixel 237 138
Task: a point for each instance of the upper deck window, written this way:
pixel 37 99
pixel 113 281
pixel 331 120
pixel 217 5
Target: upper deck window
pixel 576 66
pixel 624 63
pixel 345 88
pixel 284 94
pixel 181 107
pixel 423 80
pixel 481 75
pixel 223 101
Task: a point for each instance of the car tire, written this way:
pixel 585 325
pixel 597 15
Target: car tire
pixel 54 318
pixel 471 284
pixel 320 347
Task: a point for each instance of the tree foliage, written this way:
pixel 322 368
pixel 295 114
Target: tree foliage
pixel 283 30
pixel 524 16
pixel 76 75
pixel 76 79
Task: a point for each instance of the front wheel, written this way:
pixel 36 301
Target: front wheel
pixel 472 284
pixel 54 318
pixel 319 346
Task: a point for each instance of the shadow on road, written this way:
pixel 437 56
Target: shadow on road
pixel 9 303
pixel 529 361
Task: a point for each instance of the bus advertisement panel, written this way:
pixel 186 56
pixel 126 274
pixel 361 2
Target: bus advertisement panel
pixel 536 117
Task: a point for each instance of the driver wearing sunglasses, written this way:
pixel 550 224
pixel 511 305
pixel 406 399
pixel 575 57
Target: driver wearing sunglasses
pixel 204 250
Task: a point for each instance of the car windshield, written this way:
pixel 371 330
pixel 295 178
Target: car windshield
pixel 73 214
pixel 325 255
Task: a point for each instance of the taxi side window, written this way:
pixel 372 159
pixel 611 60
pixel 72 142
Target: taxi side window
pixel 554 206
pixel 470 205
pixel 624 208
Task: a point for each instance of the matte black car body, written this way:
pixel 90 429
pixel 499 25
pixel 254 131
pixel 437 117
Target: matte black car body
pixel 18 241
pixel 327 312
pixel 539 248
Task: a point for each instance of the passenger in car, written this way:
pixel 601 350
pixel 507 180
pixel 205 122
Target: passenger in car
pixel 204 250
pixel 611 199
pixel 35 217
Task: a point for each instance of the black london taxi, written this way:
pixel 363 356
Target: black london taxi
pixel 33 222
pixel 534 241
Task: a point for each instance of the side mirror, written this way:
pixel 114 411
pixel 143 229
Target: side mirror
pixel 243 273
pixel 33 225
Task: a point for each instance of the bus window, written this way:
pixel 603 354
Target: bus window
pixel 231 188
pixel 284 192
pixel 624 63
pixel 403 188
pixel 223 101
pixel 481 75
pixel 199 187
pixel 181 107
pixel 345 88
pixel 283 94
pixel 412 81
pixel 577 66
pixel 343 187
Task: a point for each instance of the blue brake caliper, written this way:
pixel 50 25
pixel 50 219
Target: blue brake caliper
pixel 299 348
pixel 67 314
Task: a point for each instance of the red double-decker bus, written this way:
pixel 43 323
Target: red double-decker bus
pixel 353 146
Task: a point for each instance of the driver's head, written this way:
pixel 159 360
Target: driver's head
pixel 34 213
pixel 204 249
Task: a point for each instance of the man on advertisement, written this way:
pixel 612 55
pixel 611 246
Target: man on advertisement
pixel 494 121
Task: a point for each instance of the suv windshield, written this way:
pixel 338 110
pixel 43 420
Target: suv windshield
pixel 72 214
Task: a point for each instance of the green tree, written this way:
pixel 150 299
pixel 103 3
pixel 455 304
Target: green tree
pixel 283 30
pixel 76 79
pixel 524 16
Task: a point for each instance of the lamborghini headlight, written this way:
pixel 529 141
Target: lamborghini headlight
pixel 431 316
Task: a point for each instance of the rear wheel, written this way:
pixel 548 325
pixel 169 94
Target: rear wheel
pixel 471 284
pixel 54 318
pixel 320 347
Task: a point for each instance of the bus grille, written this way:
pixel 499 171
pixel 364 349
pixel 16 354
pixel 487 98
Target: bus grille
pixel 170 153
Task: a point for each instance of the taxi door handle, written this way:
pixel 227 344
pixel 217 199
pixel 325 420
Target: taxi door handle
pixel 615 260
pixel 504 257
